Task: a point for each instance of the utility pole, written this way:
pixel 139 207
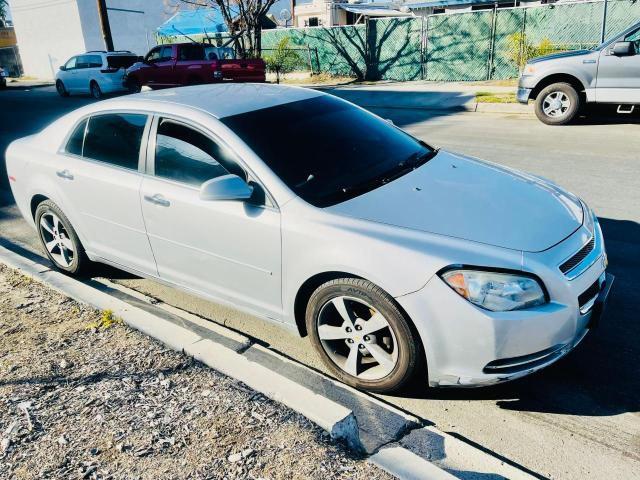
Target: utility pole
pixel 603 30
pixel 104 23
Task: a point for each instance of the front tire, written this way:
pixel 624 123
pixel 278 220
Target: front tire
pixel 61 89
pixel 557 104
pixel 362 335
pixel 59 239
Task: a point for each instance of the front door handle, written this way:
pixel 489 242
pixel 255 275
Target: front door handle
pixel 66 174
pixel 158 200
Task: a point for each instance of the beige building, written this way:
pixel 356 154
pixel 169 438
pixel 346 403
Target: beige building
pixel 329 13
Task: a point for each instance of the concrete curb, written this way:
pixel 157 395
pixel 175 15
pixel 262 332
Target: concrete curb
pixel 394 439
pixel 337 420
pixel 406 465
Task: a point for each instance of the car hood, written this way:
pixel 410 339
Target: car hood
pixel 553 56
pixel 473 200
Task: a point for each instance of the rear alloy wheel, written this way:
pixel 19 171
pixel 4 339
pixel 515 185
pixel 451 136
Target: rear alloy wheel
pixel 61 89
pixel 557 104
pixel 59 239
pixel 95 90
pixel 361 335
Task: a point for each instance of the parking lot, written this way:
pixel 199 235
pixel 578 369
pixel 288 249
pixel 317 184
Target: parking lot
pixel 579 418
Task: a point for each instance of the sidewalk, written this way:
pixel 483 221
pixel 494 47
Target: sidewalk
pixel 85 396
pixel 437 96
pixel 29 83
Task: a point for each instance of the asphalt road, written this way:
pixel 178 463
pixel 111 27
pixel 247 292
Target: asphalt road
pixel 579 418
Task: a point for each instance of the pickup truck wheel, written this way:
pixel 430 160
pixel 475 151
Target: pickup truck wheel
pixel 557 104
pixel 134 85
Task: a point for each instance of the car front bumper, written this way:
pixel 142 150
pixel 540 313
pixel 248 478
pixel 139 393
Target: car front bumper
pixel 523 94
pixel 467 346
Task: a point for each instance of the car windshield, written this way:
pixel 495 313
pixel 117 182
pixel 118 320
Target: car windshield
pixel 327 150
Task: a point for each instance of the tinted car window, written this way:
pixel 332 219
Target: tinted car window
pixel 94 61
pixel 327 150
pixel 121 61
pixel 82 62
pixel 154 55
pixel 188 156
pixel 115 138
pixel 191 52
pixel 71 63
pixel 166 53
pixel 76 140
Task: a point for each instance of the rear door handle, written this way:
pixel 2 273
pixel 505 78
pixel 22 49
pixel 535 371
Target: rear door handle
pixel 157 199
pixel 66 174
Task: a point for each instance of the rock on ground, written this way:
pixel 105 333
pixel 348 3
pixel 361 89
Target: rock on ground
pixel 85 398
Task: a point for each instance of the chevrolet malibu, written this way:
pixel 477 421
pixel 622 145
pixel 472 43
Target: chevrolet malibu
pixel 396 258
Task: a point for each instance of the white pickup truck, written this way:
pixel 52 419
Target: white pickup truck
pixel 561 83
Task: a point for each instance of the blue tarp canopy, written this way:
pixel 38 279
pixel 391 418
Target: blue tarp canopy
pixel 193 22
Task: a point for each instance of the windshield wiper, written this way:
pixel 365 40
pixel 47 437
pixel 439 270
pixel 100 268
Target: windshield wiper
pixel 413 162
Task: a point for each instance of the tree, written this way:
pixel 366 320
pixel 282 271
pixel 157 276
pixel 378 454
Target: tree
pixel 241 17
pixel 283 59
pixel 4 9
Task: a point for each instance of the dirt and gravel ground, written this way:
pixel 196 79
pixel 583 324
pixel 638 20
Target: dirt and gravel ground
pixel 84 396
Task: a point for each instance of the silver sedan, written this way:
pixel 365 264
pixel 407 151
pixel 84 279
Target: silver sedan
pixel 397 258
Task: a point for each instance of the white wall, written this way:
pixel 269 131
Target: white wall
pixel 130 30
pixel 51 31
pixel 48 34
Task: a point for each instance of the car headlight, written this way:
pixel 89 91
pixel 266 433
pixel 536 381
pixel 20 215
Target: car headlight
pixel 495 291
pixel 589 217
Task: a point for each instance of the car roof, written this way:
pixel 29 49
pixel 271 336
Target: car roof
pixel 219 100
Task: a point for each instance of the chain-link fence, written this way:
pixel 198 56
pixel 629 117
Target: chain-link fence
pixel 479 45
pixel 296 59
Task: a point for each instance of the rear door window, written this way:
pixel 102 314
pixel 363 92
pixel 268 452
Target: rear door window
pixel 76 140
pixel 191 52
pixel 94 61
pixel 83 61
pixel 115 138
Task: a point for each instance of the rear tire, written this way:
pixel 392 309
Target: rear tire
pixel 362 335
pixel 61 89
pixel 59 240
pixel 557 104
pixel 94 88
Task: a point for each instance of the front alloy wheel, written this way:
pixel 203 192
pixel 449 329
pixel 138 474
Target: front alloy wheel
pixel 361 335
pixel 357 338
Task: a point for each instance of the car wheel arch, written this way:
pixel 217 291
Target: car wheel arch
pixel 41 196
pixel 35 201
pixel 572 80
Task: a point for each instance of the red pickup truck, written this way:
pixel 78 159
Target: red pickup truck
pixel 191 64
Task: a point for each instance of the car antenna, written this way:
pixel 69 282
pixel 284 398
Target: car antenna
pixel 185 35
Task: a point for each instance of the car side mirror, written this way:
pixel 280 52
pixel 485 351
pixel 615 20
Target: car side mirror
pixel 623 49
pixel 226 187
pixel 63 68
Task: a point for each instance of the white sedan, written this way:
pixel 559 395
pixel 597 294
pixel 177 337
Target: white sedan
pixel 398 259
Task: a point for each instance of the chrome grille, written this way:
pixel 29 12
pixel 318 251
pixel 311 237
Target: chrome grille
pixel 571 263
